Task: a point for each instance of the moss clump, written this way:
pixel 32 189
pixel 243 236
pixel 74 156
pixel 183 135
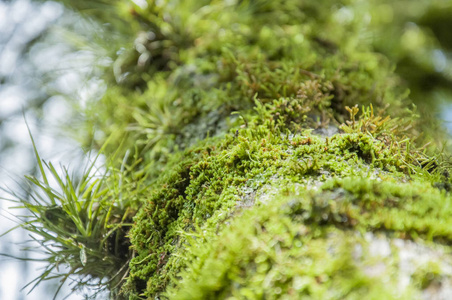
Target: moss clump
pixel 359 179
pixel 309 244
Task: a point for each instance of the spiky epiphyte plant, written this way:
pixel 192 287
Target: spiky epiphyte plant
pixel 79 222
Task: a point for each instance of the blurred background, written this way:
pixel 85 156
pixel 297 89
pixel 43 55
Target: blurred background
pixel 43 79
pixel 52 63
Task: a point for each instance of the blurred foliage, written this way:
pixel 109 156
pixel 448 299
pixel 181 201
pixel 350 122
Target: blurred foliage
pixel 210 55
pixel 413 35
pixel 20 80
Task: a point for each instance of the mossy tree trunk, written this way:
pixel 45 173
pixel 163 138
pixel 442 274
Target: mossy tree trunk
pixel 275 156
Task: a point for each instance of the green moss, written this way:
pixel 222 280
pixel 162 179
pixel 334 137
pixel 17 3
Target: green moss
pixel 301 245
pixel 299 58
pixel 427 275
pixel 360 187
pixel 277 252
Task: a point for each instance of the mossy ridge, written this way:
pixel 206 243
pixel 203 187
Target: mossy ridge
pixel 304 245
pixel 206 187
